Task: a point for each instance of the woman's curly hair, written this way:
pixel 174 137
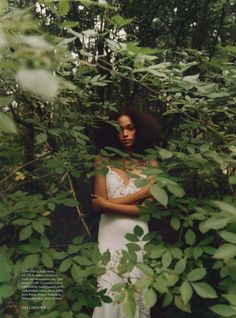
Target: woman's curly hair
pixel 148 131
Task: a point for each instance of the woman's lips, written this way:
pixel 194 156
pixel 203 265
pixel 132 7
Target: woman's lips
pixel 126 141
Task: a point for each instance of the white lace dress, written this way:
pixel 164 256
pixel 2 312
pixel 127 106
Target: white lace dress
pixel 111 235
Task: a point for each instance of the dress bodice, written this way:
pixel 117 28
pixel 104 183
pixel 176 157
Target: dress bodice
pixel 116 186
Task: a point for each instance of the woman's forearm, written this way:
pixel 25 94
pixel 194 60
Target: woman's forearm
pixel 124 209
pixel 133 198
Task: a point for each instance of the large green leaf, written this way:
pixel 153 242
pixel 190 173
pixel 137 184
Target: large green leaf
pixel 47 260
pixel 159 194
pixel 186 292
pixel 129 306
pixel 224 310
pixel 225 251
pixel 228 236
pixel 196 274
pixel 204 290
pixel 25 232
pixel 149 298
pixel 30 261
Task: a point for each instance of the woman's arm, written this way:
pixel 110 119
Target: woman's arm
pixel 105 206
pixel 133 198
pixel 140 195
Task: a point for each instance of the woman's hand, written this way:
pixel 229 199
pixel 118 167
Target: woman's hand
pixel 99 203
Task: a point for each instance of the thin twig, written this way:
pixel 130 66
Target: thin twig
pixel 80 215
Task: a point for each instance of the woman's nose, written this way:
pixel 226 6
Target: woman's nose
pixel 125 132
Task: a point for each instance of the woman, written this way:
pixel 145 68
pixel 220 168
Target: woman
pixel 117 197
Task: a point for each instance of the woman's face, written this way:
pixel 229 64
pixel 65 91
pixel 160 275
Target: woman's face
pixel 127 134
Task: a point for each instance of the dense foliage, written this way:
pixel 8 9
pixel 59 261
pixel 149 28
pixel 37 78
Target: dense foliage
pixel 64 64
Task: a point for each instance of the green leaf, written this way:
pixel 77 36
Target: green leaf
pixel 197 252
pixel 25 233
pixel 145 268
pixel 47 260
pixel 157 251
pixel 159 194
pixel 63 7
pixel 149 298
pixel 196 274
pixel 119 21
pixel 181 305
pixel 225 207
pixel 4 276
pixel 38 227
pixel 138 231
pixel 41 138
pixel 180 266
pixel 72 249
pixel 176 190
pixel 167 300
pixel 69 202
pixel 6 290
pixel 133 247
pixel 131 237
pixel 143 282
pixel 39 82
pixel 175 223
pixel 7 124
pixel 190 237
pixel 78 239
pixel 45 243
pixel 225 251
pixel 81 260
pixel 21 222
pixel 165 154
pixel 129 306
pixel 30 261
pixel 228 236
pixel 69 24
pixel 223 310
pixel 65 265
pixel 161 284
pixel 213 223
pixel 204 290
pixel 232 180
pixel 166 259
pixel 76 272
pixel 6 100
pixel 231 298
pixel 186 292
